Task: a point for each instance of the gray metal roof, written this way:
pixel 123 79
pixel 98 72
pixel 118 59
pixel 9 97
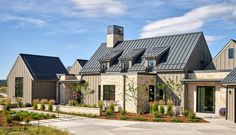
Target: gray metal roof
pixel 133 54
pixel 180 48
pixel 110 55
pixel 230 78
pixel 156 52
pixel 43 67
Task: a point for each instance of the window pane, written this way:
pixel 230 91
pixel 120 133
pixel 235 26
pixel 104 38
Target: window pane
pixel 125 66
pixel 108 92
pixel 18 87
pixel 231 53
pixel 151 64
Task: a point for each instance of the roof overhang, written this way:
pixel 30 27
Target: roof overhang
pixel 201 80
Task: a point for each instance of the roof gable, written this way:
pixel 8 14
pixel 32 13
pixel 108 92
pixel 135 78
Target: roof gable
pixel 180 48
pixel 43 67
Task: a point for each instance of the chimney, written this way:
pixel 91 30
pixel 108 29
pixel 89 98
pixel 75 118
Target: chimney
pixel 114 34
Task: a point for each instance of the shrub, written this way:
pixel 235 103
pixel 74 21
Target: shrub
pixel 124 118
pixel 109 112
pixel 112 106
pixel 53 116
pixel 27 119
pixel 169 110
pixel 170 102
pixel 158 120
pixel 44 101
pixel 72 103
pixel 139 118
pixel 156 115
pixel 35 106
pixel 176 120
pixel 195 120
pixel 19 102
pixel 161 102
pixel 100 104
pixel 162 109
pixel 192 115
pixel 42 107
pixel 94 106
pixel 222 111
pixel 153 107
pixel 27 105
pixel 123 112
pixel 51 102
pixel 8 104
pixel 186 113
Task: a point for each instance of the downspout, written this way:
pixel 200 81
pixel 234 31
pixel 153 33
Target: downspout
pixel 124 87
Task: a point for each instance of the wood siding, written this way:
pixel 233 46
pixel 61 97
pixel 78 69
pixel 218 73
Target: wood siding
pixel 194 62
pixel 44 89
pixel 231 104
pixel 221 61
pixel 19 69
pixel 75 68
pixel 94 81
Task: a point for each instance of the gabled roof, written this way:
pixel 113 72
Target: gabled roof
pixel 180 48
pixel 110 55
pixel 82 62
pixel 43 67
pixel 230 78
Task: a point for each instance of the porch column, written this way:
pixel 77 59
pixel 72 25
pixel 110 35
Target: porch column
pixel 58 92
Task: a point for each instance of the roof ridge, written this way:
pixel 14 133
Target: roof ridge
pixel 23 54
pixel 82 59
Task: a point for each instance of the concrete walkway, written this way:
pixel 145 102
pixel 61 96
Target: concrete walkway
pixel 90 126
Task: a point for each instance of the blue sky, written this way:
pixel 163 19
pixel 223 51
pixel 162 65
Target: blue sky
pixel 72 29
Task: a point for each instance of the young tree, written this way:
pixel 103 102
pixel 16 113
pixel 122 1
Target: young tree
pixel 81 89
pixel 137 96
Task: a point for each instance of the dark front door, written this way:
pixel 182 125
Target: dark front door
pixel 151 93
pixel 206 99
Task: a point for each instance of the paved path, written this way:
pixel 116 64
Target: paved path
pixel 89 126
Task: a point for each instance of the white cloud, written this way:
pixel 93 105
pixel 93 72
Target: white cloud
pixel 22 20
pixel 191 21
pixel 97 8
pixel 210 38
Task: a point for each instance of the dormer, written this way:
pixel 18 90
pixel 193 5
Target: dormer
pixel 153 57
pixel 129 58
pixel 108 60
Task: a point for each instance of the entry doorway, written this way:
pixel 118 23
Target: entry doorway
pixel 206 99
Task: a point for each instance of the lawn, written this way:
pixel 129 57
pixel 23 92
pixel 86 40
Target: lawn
pixel 31 130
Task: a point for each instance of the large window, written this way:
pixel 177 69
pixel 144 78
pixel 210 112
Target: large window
pixel 19 87
pixel 125 66
pixel 206 99
pixel 103 66
pixel 151 64
pixel 109 92
pixel 231 53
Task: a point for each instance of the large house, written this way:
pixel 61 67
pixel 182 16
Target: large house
pixel 205 84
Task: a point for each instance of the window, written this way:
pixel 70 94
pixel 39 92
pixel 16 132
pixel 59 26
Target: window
pixel 151 64
pixel 125 66
pixel 109 92
pixel 202 57
pixel 19 87
pixel 99 92
pixel 151 93
pixel 231 53
pixel 103 66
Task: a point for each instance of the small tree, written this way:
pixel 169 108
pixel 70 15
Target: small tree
pixel 137 96
pixel 81 90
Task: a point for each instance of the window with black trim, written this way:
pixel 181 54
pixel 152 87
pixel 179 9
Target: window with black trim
pixel 103 66
pixel 19 87
pixel 99 92
pixel 231 53
pixel 109 92
pixel 151 64
pixel 124 66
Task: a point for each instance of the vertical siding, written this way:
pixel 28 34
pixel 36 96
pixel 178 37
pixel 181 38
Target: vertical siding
pixel 44 89
pixel 19 69
pixel 221 61
pixel 194 62
pixel 231 104
pixel 75 69
pixel 94 81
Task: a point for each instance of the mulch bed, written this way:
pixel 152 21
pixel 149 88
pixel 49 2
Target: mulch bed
pixel 148 117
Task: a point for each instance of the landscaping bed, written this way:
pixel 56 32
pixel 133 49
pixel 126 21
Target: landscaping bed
pixel 150 118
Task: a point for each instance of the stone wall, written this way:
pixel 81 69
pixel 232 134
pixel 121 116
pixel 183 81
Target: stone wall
pixel 220 95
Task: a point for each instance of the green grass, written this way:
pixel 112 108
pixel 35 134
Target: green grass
pixel 31 130
pixel 158 120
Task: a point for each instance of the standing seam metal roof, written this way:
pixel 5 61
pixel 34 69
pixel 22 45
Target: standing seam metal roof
pixel 231 77
pixel 180 48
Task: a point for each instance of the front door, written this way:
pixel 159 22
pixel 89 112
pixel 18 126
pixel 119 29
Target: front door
pixel 151 93
pixel 206 99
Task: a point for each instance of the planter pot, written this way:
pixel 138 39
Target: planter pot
pixel 3 107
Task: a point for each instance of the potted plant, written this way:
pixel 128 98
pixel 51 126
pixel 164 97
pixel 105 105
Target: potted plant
pixel 2 105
